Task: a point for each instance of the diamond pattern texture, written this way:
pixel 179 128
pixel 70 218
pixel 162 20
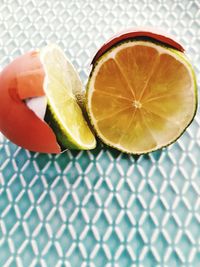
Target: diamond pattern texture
pixel 99 208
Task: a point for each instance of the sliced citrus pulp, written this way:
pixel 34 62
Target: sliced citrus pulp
pixel 141 96
pixel 63 87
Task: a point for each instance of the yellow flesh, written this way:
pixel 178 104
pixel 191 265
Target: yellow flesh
pixel 142 97
pixel 62 84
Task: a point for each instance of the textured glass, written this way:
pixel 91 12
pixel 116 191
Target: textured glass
pixel 99 208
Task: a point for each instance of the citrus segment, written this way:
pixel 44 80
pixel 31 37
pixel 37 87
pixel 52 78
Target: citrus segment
pixel 113 125
pixel 142 136
pixel 137 63
pixel 169 78
pixel 111 80
pixel 109 108
pixel 141 96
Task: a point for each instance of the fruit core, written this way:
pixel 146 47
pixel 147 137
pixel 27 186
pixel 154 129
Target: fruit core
pixel 137 104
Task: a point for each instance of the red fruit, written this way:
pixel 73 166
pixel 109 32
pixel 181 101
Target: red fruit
pixel 22 79
pixel 138 32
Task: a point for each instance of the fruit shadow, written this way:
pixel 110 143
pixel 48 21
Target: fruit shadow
pixel 118 154
pixel 74 165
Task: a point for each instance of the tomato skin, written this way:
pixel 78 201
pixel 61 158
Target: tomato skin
pixel 21 79
pixel 138 32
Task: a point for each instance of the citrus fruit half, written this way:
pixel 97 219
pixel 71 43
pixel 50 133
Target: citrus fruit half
pixel 141 95
pixel 37 83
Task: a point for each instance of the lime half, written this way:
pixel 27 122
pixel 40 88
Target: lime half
pixel 63 89
pixel 141 96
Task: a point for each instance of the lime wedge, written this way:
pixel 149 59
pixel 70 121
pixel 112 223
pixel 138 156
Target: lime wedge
pixel 63 89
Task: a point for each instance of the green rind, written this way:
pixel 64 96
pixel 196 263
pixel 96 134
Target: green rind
pixel 178 53
pixel 63 137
